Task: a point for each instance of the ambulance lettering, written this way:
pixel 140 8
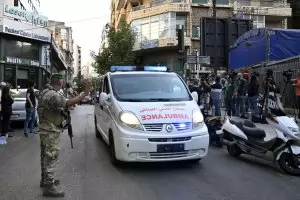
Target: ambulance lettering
pixel 164 116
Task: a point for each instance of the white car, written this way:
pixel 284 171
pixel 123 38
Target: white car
pixel 148 116
pixel 18 107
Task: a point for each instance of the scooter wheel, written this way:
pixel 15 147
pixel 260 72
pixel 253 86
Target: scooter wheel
pixel 287 164
pixel 234 150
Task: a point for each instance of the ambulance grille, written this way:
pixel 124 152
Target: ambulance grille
pixel 153 127
pixel 159 127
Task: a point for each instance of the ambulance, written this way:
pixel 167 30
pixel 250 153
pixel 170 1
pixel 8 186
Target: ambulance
pixel 149 115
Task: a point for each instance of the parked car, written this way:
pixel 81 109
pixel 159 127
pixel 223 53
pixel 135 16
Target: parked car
pixel 18 107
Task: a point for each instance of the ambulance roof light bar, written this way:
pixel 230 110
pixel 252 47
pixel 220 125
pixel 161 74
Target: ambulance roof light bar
pixel 134 68
pixel 155 68
pixel 122 68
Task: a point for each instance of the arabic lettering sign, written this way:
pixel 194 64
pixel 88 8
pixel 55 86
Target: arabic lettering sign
pixel 160 109
pixel 22 61
pixel 164 116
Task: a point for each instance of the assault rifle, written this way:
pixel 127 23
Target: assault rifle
pixel 67 124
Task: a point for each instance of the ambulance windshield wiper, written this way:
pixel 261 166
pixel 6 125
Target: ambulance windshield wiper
pixel 159 99
pixel 135 100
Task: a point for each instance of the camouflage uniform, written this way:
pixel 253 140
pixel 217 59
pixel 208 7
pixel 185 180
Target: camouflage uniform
pixel 51 103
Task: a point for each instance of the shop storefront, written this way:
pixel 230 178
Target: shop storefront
pixel 25 51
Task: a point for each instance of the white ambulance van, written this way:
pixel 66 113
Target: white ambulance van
pixel 149 115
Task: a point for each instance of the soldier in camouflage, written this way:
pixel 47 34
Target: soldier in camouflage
pixel 51 103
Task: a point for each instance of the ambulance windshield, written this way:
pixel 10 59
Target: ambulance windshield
pixel 149 87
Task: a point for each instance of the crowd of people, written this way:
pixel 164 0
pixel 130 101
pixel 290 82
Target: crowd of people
pixel 7 100
pixel 237 92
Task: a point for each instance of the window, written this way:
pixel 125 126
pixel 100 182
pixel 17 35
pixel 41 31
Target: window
pixel 200 1
pixel 20 49
pixel 154 27
pixel 196 31
pixel 158 26
pixel 258 21
pixel 10 75
pixel 222 2
pixel 105 87
pixel 155 87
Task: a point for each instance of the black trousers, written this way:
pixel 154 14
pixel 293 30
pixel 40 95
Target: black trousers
pixel 5 122
pixel 298 105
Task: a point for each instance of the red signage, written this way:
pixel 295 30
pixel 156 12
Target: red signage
pixel 164 116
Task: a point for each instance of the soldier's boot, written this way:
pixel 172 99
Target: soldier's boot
pixel 42 183
pixel 52 191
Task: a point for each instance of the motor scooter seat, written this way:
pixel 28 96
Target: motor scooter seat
pixel 249 128
pixel 253 132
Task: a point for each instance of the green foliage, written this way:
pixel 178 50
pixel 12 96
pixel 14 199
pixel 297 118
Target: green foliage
pixel 119 51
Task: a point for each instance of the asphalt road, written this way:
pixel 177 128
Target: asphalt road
pixel 87 174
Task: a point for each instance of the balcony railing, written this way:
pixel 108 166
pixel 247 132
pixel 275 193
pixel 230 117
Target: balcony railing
pixel 159 3
pixel 257 3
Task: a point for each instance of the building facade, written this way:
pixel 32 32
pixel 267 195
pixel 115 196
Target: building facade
pixel 154 23
pixel 264 13
pixel 77 61
pixel 63 36
pixel 104 39
pixel 28 5
pixel 88 70
pixel 27 51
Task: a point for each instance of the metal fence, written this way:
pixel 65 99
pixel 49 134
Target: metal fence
pixel 287 90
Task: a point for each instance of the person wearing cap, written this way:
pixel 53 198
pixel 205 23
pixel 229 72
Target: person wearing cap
pixel 51 104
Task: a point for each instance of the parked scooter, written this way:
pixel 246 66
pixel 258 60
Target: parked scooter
pixel 245 137
pixel 214 126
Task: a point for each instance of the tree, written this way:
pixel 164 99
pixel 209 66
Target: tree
pixel 119 51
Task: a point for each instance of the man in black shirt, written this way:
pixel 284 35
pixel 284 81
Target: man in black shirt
pixel 30 109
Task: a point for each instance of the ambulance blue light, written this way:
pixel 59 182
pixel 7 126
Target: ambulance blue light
pixel 122 68
pixel 155 68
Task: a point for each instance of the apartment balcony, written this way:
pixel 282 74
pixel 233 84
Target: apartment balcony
pixel 158 7
pixel 266 8
pixel 209 3
pixel 170 43
pixel 120 4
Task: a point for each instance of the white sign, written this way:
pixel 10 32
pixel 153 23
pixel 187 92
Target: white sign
pixel 25 30
pixel 45 55
pixel 23 15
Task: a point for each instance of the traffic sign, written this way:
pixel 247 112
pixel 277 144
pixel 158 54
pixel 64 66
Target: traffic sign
pixel 192 59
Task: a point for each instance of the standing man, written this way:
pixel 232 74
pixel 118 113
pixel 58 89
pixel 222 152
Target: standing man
pixel 51 105
pixel 241 95
pixel 297 87
pixel 216 95
pixel 30 107
pixel 2 85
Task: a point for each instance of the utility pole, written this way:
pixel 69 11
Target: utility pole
pixel 214 2
pixel 51 56
pixel 182 53
pixel 267 46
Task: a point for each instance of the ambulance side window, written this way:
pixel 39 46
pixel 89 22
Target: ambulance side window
pixel 105 87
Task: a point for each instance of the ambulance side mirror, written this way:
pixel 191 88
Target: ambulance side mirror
pixel 104 99
pixel 195 96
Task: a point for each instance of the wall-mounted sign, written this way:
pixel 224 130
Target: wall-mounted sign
pixel 23 15
pixel 24 33
pixel 21 61
pixel 148 44
pixel 45 55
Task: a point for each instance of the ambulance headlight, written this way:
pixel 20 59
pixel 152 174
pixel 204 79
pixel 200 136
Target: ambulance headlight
pixel 130 120
pixel 198 120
